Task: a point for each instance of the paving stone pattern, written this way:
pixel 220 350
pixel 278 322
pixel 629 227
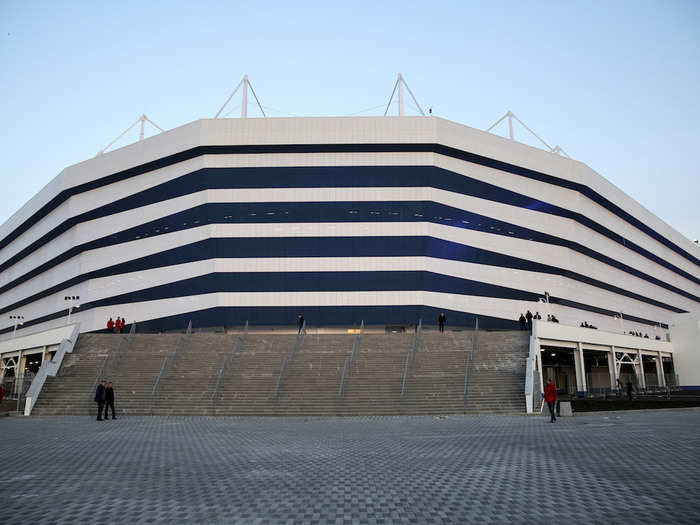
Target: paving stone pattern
pixel 626 468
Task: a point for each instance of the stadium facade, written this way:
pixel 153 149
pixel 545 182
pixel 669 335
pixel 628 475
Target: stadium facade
pixel 383 219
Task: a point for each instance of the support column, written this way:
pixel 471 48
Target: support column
pixel 580 370
pixel 642 380
pixel 612 368
pixel 19 372
pixel 660 369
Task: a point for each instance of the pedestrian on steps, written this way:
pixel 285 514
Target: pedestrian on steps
pixel 117 325
pixel 301 323
pixel 441 321
pixel 110 325
pixel 100 399
pixel 550 396
pixel 522 321
pixel 109 400
pixel 528 317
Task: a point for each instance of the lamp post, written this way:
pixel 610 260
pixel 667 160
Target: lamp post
pixel 17 320
pixel 72 303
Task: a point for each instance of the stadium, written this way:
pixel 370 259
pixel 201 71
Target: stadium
pixel 385 221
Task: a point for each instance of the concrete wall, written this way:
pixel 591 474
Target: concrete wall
pixel 685 335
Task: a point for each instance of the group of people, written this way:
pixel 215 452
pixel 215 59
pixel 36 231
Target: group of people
pixel 116 326
pixel 639 334
pixel 525 320
pixel 586 325
pixel 104 397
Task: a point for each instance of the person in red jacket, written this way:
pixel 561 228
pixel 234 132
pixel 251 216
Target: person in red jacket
pixel 550 396
pixel 110 325
pixel 121 325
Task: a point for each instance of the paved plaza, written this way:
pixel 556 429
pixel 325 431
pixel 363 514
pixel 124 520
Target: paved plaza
pixel 641 467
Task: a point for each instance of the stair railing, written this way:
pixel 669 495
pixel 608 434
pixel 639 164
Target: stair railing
pixel 350 359
pixel 278 386
pixel 411 355
pixel 405 373
pixel 298 342
pixel 470 358
pixel 240 340
pixel 182 344
pixel 160 375
pixel 123 345
pixel 416 339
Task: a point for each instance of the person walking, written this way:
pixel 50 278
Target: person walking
pixel 522 321
pixel 528 317
pixel 109 401
pixel 629 390
pixel 100 399
pixel 110 325
pixel 550 396
pixel 301 323
pixel 441 321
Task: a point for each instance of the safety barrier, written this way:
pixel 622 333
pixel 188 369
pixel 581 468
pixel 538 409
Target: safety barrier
pixel 48 368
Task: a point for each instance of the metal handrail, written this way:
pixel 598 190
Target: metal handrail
pixel 341 390
pixel 298 342
pixel 405 373
pixel 416 339
pixel 100 370
pixel 412 354
pixel 470 358
pixel 279 378
pixel 351 359
pixel 218 380
pixel 117 352
pixel 356 342
pixel 228 359
pixel 160 374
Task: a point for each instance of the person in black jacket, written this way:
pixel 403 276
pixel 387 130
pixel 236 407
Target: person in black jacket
pixel 109 401
pixel 441 321
pixel 528 317
pixel 300 318
pixel 100 399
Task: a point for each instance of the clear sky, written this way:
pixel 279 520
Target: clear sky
pixel 616 84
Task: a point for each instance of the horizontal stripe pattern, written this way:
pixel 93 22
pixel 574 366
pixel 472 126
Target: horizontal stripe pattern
pixel 344 212
pixel 312 177
pixel 340 148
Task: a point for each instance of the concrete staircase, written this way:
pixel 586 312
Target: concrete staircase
pixel 70 391
pixel 497 375
pixel 311 380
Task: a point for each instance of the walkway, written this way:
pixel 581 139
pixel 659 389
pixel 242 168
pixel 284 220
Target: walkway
pixel 631 467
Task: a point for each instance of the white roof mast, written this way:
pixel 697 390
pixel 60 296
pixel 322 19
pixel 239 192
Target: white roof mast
pixel 400 83
pixel 244 100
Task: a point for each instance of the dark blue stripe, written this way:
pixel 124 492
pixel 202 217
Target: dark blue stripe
pixel 312 177
pixel 334 247
pixel 393 211
pixel 337 148
pixel 325 282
